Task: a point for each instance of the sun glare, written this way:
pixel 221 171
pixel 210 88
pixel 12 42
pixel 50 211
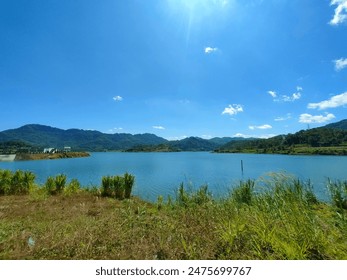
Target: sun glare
pixel 196 13
pixel 199 7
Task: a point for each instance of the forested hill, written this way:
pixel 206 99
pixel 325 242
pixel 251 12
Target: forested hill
pixel 323 140
pixel 192 144
pixel 77 139
pixel 339 125
pixel 90 140
pixel 329 139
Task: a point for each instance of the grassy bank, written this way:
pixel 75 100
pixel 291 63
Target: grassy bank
pixel 40 156
pixel 275 219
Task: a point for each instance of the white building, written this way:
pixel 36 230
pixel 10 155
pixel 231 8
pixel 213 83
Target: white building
pixel 49 150
pixel 67 149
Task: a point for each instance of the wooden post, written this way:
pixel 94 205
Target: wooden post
pixel 242 166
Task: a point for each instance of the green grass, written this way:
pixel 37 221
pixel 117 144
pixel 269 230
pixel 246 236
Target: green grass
pixel 275 218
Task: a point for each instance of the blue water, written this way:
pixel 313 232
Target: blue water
pixel 161 173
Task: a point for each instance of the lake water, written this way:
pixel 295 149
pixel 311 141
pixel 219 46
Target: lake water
pixel 161 173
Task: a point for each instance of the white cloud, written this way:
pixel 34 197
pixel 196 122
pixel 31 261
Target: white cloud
pixel 333 102
pixel 233 109
pixel 117 98
pixel 340 63
pixel 307 118
pixel 210 50
pixel 287 117
pixel 286 98
pixel 293 97
pixel 264 126
pixel 263 136
pixel 158 127
pixel 272 93
pixel 340 15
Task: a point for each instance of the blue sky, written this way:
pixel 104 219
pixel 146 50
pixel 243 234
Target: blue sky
pixel 175 68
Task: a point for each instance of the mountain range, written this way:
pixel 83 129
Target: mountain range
pixel 42 136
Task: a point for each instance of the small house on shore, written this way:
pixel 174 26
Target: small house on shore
pixel 49 150
pixel 67 149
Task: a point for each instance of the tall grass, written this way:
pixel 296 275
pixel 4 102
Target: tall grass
pixel 188 198
pixel 244 192
pixel 107 186
pixel 119 187
pixel 56 185
pixel 128 184
pixel 278 217
pixel 338 193
pixel 18 182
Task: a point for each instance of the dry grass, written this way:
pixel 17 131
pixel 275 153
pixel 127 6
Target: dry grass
pixel 85 226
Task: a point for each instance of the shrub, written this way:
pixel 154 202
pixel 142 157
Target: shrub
pixel 106 186
pixel 55 185
pixel 119 187
pixel 128 184
pixel 73 187
pixel 60 182
pixel 19 182
pixel 5 181
pixel 50 185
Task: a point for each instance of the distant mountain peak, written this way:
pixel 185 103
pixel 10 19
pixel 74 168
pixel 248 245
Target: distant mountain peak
pixel 78 139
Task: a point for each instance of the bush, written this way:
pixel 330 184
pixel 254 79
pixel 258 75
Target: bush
pixel 128 184
pixel 107 186
pixel 119 187
pixel 55 185
pixel 19 182
pixel 50 185
pixel 60 181
pixel 73 187
pixel 5 181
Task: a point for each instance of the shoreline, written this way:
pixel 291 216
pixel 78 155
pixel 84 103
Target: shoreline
pixel 42 156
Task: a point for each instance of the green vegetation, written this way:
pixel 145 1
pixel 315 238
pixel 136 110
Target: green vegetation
pixel 78 139
pixel 153 148
pixel 119 187
pixel 18 182
pixel 274 218
pixel 327 140
pixel 324 141
pixel 58 155
pixel 12 147
pixel 55 185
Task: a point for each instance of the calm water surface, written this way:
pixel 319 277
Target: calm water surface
pixel 161 173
